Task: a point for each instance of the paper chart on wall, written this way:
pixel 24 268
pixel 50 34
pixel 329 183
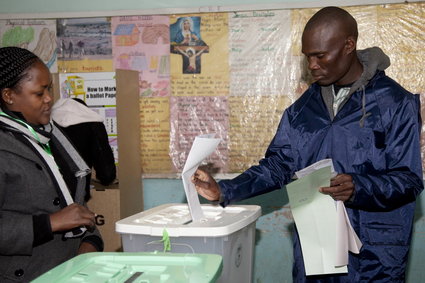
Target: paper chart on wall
pixel 84 45
pixel 191 116
pixel 141 43
pixel 155 134
pixel 257 98
pixel 38 36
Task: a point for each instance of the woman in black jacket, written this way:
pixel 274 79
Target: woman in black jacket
pixel 43 217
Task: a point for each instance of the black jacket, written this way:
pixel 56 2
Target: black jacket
pixel 91 141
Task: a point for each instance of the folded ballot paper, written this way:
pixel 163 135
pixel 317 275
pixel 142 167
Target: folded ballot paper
pixel 323 225
pixel 202 147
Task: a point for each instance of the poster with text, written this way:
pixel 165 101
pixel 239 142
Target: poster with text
pixel 95 89
pixel 98 91
pixel 261 81
pixel 251 132
pixel 155 135
pixel 192 116
pixel 406 48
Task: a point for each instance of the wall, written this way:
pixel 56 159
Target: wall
pixel 81 8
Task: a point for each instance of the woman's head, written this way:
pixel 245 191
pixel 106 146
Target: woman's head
pixel 24 84
pixel 186 24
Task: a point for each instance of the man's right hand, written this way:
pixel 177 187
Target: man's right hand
pixel 205 185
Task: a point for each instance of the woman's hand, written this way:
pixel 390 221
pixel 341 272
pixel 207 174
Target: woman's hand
pixel 72 216
pixel 86 247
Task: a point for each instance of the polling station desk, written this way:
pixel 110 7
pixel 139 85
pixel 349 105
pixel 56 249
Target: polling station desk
pixel 105 202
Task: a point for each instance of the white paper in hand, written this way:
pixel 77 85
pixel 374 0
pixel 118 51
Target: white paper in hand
pixel 346 238
pixel 202 147
pixel 315 166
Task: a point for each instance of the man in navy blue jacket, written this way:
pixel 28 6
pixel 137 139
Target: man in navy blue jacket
pixel 369 126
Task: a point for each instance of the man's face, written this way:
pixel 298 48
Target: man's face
pixel 328 61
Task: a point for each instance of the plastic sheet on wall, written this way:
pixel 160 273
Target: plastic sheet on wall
pixel 228 73
pixel 267 72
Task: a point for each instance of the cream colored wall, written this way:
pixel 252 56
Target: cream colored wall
pixel 82 8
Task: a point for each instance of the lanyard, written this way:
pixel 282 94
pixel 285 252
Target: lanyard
pixel 45 146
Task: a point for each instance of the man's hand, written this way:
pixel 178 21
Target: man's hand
pixel 342 187
pixel 205 185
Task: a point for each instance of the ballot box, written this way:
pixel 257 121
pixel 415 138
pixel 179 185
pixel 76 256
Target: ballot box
pixel 229 232
pixel 117 267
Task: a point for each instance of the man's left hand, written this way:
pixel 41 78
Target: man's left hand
pixel 342 187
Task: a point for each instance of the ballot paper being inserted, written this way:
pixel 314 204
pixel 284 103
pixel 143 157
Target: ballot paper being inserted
pixel 202 147
pixel 325 231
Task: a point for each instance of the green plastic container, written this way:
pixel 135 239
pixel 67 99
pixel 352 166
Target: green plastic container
pixel 142 267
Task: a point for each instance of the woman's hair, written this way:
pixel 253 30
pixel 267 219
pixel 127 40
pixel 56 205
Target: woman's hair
pixel 14 64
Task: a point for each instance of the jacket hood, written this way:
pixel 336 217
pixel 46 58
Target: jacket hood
pixel 373 59
pixel 67 112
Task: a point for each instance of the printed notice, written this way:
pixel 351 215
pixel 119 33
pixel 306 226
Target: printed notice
pixel 253 122
pixel 191 116
pixel 155 135
pixel 259 59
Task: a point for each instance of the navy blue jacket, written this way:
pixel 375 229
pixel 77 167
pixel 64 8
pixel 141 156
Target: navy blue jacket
pixel 383 157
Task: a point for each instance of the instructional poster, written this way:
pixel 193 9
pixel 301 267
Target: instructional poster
pixel 194 116
pixel 38 36
pixel 252 131
pixel 98 91
pixel 95 89
pixel 155 135
pixel 84 45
